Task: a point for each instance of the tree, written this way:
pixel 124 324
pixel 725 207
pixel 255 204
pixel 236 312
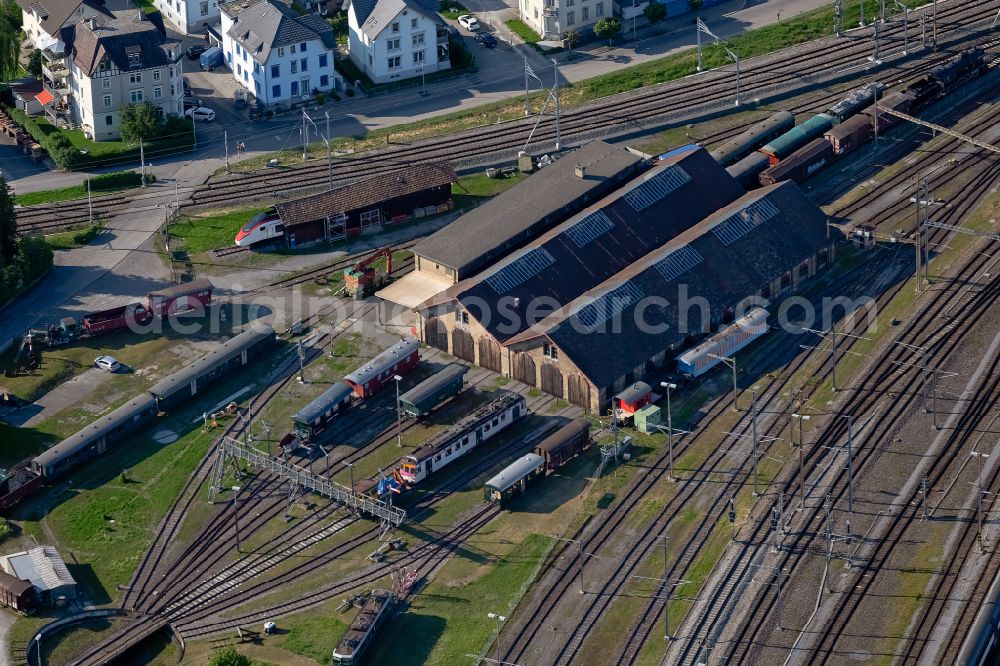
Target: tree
pixel 228 656
pixel 656 12
pixel 8 224
pixel 695 5
pixel 10 45
pixel 571 37
pixel 35 64
pixel 607 28
pixel 139 121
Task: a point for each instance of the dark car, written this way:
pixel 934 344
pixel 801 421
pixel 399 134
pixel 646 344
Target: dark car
pixel 194 52
pixel 192 102
pixel 487 40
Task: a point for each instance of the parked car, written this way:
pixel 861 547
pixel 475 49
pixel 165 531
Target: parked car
pixel 107 363
pixel 469 22
pixel 487 40
pixel 200 113
pixel 194 52
pixel 187 87
pixel 191 102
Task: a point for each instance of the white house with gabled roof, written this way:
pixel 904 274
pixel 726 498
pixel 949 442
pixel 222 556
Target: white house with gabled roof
pixel 397 39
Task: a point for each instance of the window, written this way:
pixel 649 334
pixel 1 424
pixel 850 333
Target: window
pixel 304 65
pixel 392 44
pixel 324 81
pixel 135 96
pixel 239 70
pixel 418 39
pixel 135 77
pixel 275 71
pixel 585 14
pixel 599 10
pixel 173 91
pixel 156 75
pixel 570 18
pixel 246 75
pixel 294 66
pixel 204 8
pixel 413 23
pixel 106 83
pixel 292 47
pixel 157 92
pixel 108 119
pixel 305 86
pixel 256 85
pixel 295 89
pixel 108 102
pixel 133 59
pixel 281 51
pixel 550 351
pixel 570 3
pixel 418 57
pixel 322 60
pixel 302 47
pixel 394 62
pixel 536 12
pixel 370 217
pixel 395 26
pixel 238 50
pixel 275 91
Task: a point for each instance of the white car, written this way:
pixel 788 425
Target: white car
pixel 201 113
pixel 469 22
pixel 107 363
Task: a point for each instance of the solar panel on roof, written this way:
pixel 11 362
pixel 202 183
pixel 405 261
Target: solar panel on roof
pixel 609 305
pixel 590 227
pixel 520 270
pixel 656 188
pixel 743 221
pixel 678 262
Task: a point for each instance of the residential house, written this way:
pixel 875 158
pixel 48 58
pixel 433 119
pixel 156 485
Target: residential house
pixel 190 17
pixel 276 54
pixel 553 18
pixel 43 19
pixel 100 65
pixel 397 39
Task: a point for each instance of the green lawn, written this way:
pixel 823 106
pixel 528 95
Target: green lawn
pixel 311 636
pixel 452 10
pixel 521 29
pixel 470 191
pixel 69 239
pixel 100 185
pixel 208 231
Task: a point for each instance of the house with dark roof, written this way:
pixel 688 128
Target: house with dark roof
pixel 684 231
pixel 280 57
pixel 42 20
pixel 391 40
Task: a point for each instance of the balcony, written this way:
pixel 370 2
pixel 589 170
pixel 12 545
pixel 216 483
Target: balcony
pixel 442 35
pixel 550 11
pixel 55 71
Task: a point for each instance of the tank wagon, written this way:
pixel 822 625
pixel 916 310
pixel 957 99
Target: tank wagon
pixel 514 479
pixel 374 375
pixel 798 136
pixel 99 436
pixel 696 361
pixel 738 147
pixel 314 417
pixel 463 437
pixel 428 394
pixel 374 611
pixel 563 445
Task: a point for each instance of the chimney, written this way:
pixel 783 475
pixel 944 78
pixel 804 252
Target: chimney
pixel 92 23
pixel 580 170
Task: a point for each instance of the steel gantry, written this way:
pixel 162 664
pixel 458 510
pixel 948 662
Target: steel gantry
pixel 232 449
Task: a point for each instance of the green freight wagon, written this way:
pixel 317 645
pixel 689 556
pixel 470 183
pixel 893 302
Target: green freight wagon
pixel 431 392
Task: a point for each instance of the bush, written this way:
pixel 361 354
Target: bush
pixel 228 656
pixel 6 530
pixel 320 98
pixel 350 92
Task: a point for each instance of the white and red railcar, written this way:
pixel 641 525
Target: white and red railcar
pixel 377 373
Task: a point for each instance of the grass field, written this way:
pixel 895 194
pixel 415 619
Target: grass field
pixel 97 189
pixel 203 232
pixel 521 29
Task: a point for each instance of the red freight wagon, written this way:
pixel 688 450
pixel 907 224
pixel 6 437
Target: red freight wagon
pixel 195 295
pixel 633 398
pixel 396 360
pixel 114 319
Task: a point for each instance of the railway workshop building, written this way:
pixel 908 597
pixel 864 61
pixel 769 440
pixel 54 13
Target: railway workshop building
pixel 45 569
pixel 505 223
pixel 563 312
pixel 366 205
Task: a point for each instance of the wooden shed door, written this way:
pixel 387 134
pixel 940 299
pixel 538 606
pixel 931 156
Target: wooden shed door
pixel 435 334
pixel 462 345
pixel 524 368
pixel 489 354
pixel 579 391
pixel 552 380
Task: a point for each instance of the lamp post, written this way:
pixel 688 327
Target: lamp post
pixel 731 362
pixel 399 416
pixel 802 483
pixel 979 499
pixel 236 519
pixel 670 427
pixel 499 618
pixel 351 466
pixel 583 556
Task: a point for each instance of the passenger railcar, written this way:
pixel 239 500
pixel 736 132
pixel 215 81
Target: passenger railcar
pixel 396 360
pixel 194 295
pixel 374 611
pixel 218 363
pixel 563 445
pixel 737 148
pixel 747 171
pixel 463 437
pixel 96 438
pixel 261 228
pixel 514 479
pixel 795 138
pixel 314 417
pixel 697 361
pixel 801 164
pixel 428 394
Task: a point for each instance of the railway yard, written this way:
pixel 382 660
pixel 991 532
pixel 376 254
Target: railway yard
pixel 491 433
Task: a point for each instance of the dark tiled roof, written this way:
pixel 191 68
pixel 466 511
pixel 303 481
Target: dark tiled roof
pixel 526 210
pixel 131 31
pixel 266 24
pixel 374 15
pixel 724 275
pixel 365 193
pixel 55 13
pixel 596 244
